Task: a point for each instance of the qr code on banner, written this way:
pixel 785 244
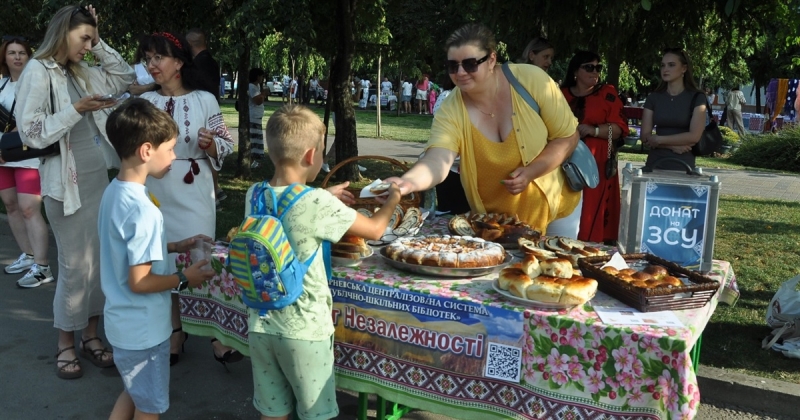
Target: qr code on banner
pixel 503 362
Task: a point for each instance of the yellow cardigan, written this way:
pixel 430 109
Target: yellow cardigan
pixel 452 130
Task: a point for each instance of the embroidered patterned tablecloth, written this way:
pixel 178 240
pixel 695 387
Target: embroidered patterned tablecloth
pixel 456 347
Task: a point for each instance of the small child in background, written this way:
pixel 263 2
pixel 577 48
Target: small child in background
pixel 133 252
pixel 292 348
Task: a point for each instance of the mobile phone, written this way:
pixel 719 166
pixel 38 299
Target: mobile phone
pixel 109 97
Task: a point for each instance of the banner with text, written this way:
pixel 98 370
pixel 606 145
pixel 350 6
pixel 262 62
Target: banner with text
pixel 441 332
pixel 674 222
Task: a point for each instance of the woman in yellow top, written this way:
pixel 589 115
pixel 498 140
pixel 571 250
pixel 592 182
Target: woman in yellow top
pixel 510 155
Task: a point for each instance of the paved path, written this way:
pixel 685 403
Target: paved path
pixel 202 389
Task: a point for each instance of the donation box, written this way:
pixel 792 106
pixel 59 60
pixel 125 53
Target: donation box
pixel 670 214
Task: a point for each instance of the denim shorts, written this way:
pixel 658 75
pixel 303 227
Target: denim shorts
pixel 287 370
pixel 406 98
pixel 145 374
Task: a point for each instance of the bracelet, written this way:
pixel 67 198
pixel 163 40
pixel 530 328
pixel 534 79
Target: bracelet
pixel 596 130
pixel 204 148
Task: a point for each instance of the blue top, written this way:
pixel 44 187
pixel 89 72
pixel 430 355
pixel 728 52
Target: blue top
pixel 131 230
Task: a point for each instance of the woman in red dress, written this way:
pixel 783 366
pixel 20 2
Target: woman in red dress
pixel 599 111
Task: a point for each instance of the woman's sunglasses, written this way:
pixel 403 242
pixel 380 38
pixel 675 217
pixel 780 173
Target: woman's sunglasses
pixel 592 67
pixel 470 65
pixel 14 38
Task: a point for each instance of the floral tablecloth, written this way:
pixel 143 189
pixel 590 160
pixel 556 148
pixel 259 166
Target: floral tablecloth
pixel 570 364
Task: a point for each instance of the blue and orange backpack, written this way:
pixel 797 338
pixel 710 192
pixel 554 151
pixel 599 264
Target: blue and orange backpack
pixel 261 259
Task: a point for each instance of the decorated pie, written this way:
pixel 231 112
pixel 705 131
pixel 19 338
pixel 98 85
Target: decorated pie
pixel 446 251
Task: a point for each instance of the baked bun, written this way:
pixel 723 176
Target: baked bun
pixel 672 281
pixel 231 233
pixel 653 283
pixel 509 274
pixel 628 271
pixel 610 270
pixel 657 271
pixel 518 282
pixel 626 278
pixel 345 254
pixel 351 244
pixel 641 275
pixel 639 284
pixel 557 267
pixel 578 291
pixel 531 266
pixel 380 188
pixel 545 289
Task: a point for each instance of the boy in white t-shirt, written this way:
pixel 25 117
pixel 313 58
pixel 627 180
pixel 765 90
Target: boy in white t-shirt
pixel 133 252
pixel 303 330
pixel 406 98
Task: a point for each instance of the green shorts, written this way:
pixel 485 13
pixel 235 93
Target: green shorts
pixel 285 370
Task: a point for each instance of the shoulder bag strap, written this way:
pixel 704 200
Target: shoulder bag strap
pixel 519 88
pixel 691 108
pixel 4 84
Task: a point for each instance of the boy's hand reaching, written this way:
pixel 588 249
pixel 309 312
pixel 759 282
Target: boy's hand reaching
pixel 199 273
pixel 340 192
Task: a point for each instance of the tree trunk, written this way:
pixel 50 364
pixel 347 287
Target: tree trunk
pixel 243 159
pixel 346 141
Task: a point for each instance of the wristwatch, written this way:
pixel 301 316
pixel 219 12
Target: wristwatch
pixel 596 130
pixel 183 282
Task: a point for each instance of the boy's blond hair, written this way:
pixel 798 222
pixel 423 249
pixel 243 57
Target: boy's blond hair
pixel 292 130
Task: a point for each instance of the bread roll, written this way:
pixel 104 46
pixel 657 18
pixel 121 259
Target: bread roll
pixel 653 283
pixel 518 282
pixel 509 274
pixel 626 278
pixel 531 266
pixel 557 267
pixel 639 284
pixel 544 289
pixel 641 275
pixel 628 271
pixel 672 281
pixel 656 271
pixel 610 270
pixel 344 254
pixel 578 291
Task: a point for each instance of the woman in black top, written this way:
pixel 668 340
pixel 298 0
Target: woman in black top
pixel 677 109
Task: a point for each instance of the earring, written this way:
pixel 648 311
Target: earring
pixel 177 75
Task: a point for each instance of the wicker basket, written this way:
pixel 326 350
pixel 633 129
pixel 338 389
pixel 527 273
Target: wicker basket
pixel 695 295
pixel 407 201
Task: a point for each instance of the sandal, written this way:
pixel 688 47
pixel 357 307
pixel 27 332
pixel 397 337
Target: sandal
pixel 60 370
pixel 96 356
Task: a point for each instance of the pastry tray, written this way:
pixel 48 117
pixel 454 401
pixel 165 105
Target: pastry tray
pixel 445 271
pixel 696 294
pixel 528 302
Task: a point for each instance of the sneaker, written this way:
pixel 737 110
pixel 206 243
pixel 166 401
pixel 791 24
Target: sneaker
pixel 326 167
pixel 22 263
pixel 36 277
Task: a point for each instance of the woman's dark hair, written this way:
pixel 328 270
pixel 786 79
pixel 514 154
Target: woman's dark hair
pixel 4 48
pixel 472 34
pixel 580 57
pixel 688 77
pixel 255 73
pixel 168 44
pixel 536 46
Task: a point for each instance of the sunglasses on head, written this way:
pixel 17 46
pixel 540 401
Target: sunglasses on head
pixel 81 9
pixel 14 38
pixel 592 67
pixel 470 65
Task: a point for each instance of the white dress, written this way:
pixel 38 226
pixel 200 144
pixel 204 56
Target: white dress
pixel 189 207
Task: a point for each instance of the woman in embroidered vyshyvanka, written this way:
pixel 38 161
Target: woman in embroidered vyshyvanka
pixel 58 102
pixel 186 193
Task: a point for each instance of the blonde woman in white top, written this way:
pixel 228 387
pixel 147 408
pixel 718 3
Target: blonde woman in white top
pixel 20 187
pixel 73 181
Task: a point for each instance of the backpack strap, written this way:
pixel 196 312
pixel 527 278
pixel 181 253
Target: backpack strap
pixel 521 91
pixel 281 206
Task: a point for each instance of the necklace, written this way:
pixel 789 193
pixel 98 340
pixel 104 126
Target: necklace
pixel 494 101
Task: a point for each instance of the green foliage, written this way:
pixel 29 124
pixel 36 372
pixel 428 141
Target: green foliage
pixel 780 151
pixel 729 136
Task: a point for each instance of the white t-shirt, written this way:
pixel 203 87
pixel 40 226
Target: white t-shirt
pixel 131 230
pixel 293 88
pixel 7 101
pixel 386 87
pixel 407 88
pixel 256 111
